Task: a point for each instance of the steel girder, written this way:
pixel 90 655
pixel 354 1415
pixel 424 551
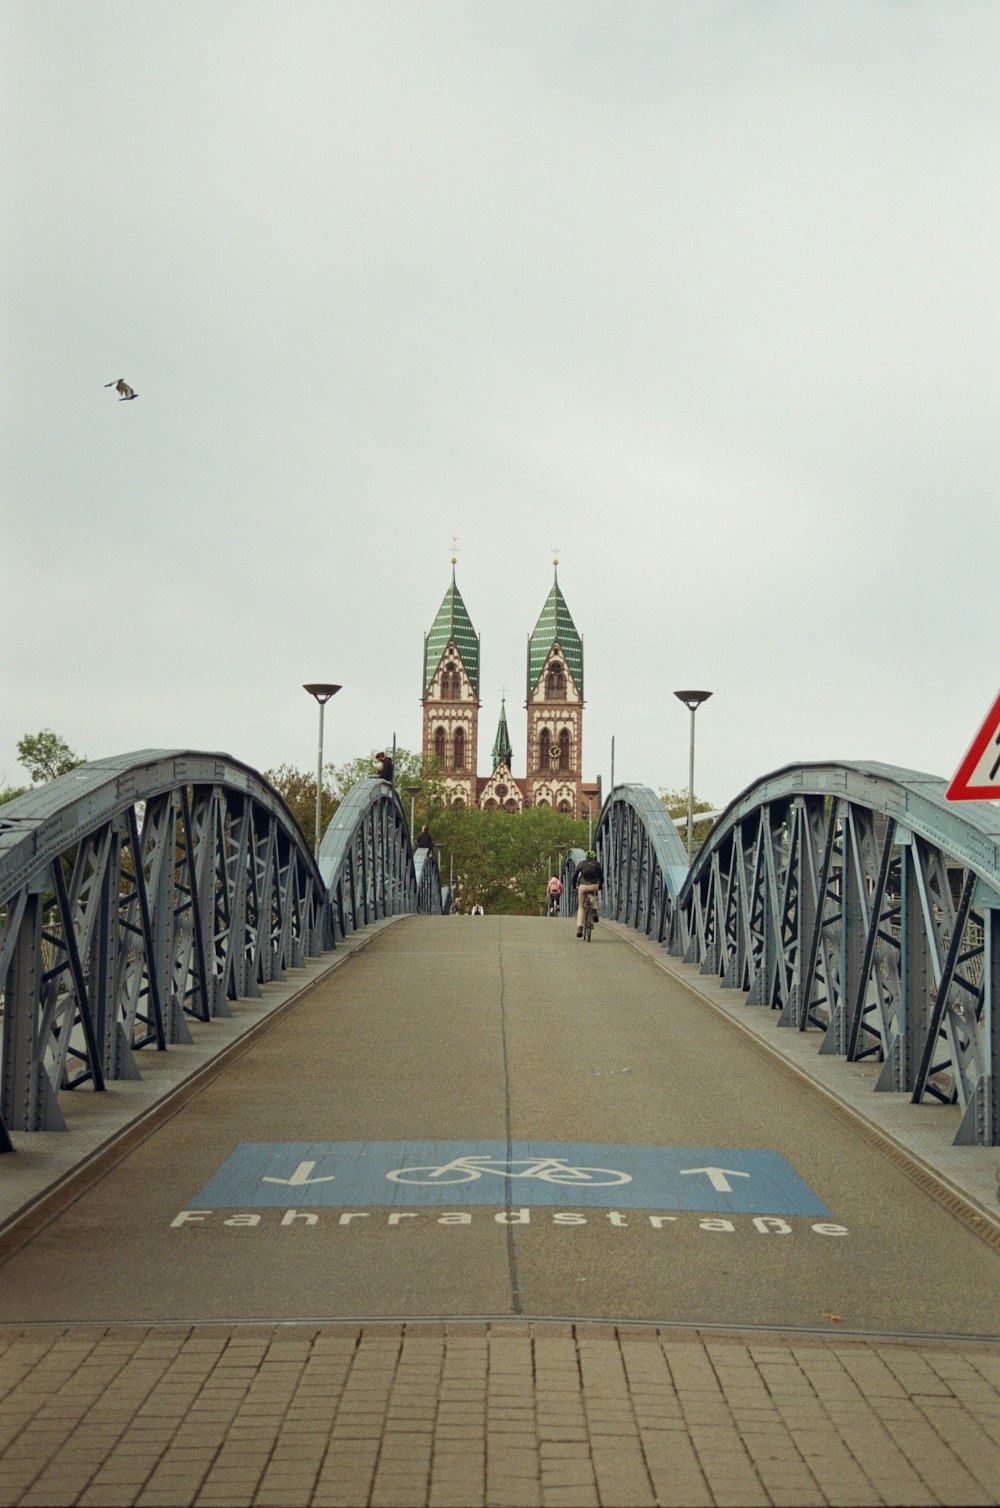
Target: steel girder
pixel 644 861
pixel 433 898
pixel 367 863
pixel 137 892
pixel 854 901
pixel 567 901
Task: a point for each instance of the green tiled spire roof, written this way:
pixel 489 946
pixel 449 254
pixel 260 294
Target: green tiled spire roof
pixel 452 623
pixel 555 624
pixel 502 751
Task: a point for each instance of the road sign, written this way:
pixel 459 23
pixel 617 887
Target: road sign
pixel 978 776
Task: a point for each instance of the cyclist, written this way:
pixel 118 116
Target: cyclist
pixel 553 891
pixel 588 877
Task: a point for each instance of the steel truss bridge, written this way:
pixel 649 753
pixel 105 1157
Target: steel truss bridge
pixel 141 891
pixel 849 899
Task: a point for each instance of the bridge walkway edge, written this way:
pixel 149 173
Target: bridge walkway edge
pixel 45 1171
pixel 918 1138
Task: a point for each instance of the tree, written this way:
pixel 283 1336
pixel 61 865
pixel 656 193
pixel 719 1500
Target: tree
pixel 502 860
pixel 676 803
pixel 298 791
pixel 11 793
pixel 46 755
pixel 411 770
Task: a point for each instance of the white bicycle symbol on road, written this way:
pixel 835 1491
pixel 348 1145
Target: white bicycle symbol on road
pixel 547 1169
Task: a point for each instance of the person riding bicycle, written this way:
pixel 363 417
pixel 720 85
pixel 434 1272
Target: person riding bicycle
pixel 588 877
pixel 553 891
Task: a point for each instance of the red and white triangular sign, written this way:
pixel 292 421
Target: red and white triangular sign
pixel 978 776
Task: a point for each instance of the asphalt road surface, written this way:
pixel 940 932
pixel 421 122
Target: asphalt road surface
pixel 482 1117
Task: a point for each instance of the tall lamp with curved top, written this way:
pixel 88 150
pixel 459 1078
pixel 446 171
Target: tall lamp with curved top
pixel 322 691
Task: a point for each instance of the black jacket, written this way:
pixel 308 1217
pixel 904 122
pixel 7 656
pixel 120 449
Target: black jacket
pixel 588 872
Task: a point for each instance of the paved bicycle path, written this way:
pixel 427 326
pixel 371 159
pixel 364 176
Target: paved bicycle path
pixel 456 1039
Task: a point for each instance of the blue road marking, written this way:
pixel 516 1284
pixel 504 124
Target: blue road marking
pixel 454 1174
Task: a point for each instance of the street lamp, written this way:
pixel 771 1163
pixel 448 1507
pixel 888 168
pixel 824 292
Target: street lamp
pixel 692 700
pixel 414 791
pixel 322 691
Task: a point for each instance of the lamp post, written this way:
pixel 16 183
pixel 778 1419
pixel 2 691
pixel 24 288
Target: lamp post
pixel 692 700
pixel 322 691
pixel 414 791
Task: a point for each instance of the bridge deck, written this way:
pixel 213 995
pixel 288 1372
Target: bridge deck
pixel 719 1313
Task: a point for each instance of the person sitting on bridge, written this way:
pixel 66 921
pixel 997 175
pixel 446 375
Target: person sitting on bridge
pixel 588 877
pixel 385 770
pixel 425 840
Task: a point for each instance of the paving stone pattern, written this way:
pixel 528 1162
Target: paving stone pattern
pixel 513 1413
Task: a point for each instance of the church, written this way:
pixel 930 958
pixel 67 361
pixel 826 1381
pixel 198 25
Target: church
pixel 553 763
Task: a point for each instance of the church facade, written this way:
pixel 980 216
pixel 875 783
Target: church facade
pixel 553 762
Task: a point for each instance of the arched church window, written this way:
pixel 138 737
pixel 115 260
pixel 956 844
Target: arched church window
pixel 490 805
pixel 556 681
pixel 459 748
pixel 451 683
pixel 564 806
pixel 458 801
pixel 544 748
pixel 510 806
pixel 564 749
pixel 439 743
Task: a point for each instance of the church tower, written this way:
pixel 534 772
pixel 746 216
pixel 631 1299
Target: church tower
pixel 555 708
pixel 451 696
pixel 501 790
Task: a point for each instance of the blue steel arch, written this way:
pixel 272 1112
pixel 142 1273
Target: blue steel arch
pixel 644 861
pixel 853 900
pixel 567 901
pixel 367 863
pixel 145 889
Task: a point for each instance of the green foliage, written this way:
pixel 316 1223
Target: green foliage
pixel 411 771
pixel 676 803
pixel 45 756
pixel 298 790
pixel 344 776
pixel 503 860
pixel 11 792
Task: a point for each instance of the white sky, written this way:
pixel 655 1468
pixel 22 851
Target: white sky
pixel 703 292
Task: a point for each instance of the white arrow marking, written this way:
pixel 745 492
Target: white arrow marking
pixel 718 1177
pixel 300 1176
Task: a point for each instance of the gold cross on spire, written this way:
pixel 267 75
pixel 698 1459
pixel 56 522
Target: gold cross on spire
pixel 454 549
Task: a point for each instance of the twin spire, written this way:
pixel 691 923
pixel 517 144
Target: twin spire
pixel 452 625
pixel 555 627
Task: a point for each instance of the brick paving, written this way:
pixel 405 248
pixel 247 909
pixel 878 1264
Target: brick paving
pixel 505 1413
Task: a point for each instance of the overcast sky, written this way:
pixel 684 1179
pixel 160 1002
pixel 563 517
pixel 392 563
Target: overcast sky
pixel 703 292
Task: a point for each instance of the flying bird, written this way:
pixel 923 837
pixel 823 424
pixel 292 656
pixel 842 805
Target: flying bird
pixel 121 386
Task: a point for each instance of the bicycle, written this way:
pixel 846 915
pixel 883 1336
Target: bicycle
pixel 589 916
pixel 546 1169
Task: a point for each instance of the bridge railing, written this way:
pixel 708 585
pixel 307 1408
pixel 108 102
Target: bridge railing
pixel 142 891
pixel 855 902
pixel 644 861
pixel 367 862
